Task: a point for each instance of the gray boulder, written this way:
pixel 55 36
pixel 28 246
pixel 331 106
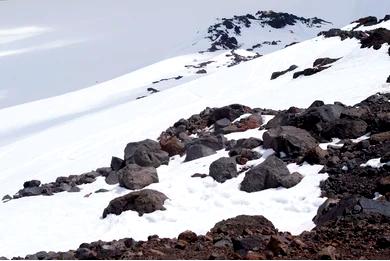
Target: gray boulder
pixel 197 151
pixel 112 178
pixel 223 169
pixel 145 153
pixel 272 173
pixel 290 140
pixel 143 201
pixel 215 142
pixel 136 177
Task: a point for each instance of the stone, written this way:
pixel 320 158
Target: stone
pixel 146 153
pixel 197 151
pixel 266 175
pixel 188 236
pixel 101 190
pixel 223 169
pixel 31 184
pixel 277 246
pixel 173 146
pixel 291 180
pixel 290 140
pixel 143 201
pixel 112 178
pixel 136 177
pixel 117 163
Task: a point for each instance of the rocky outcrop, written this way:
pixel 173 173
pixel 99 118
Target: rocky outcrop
pixel 278 74
pixel 143 201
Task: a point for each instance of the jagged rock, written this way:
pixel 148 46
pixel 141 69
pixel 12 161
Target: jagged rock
pixel 230 112
pixel 215 142
pixel 345 129
pixel 6 198
pixel 117 163
pixel 309 71
pixel 272 173
pixel 145 153
pixel 199 175
pixel 31 184
pixel 223 169
pixel 143 201
pixel 278 74
pixel 290 140
pixel 376 38
pixel 353 205
pixel 136 177
pixel 324 61
pixel 197 151
pixel 343 34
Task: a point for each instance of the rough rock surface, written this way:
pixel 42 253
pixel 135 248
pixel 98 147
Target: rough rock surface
pixel 223 169
pixel 143 201
pixel 136 177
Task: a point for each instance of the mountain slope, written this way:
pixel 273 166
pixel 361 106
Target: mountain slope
pixel 80 131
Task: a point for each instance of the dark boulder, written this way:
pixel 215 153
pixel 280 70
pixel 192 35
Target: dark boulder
pixel 324 61
pixel 353 205
pixel 230 112
pixel 197 151
pixel 278 74
pixel 117 163
pixel 215 142
pixel 223 169
pixel 309 71
pixel 345 129
pixel 290 140
pixel 112 178
pixel 380 137
pixel 272 173
pixel 31 184
pixel 291 180
pixel 143 201
pixel 136 177
pixel 376 38
pixel 146 153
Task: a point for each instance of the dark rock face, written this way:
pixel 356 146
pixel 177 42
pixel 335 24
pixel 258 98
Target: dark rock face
pixel 117 163
pixel 331 210
pixel 136 177
pixel 345 128
pixel 290 140
pixel 309 71
pixel 198 151
pixel 376 38
pixel 324 61
pixel 112 178
pixel 278 74
pixel 215 142
pixel 230 112
pixel 145 153
pixel 388 79
pixel 31 184
pixel 272 173
pixel 143 201
pixel 343 34
pixel 223 169
pixel 366 21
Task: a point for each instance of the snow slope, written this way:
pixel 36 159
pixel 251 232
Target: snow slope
pixel 51 47
pixel 80 131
